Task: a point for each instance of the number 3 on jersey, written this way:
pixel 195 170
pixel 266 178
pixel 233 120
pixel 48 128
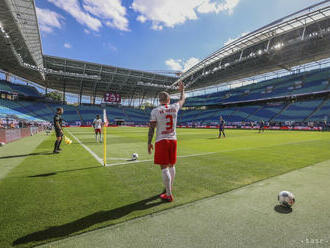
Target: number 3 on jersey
pixel 169 124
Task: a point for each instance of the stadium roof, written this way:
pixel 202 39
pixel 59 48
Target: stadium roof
pixel 95 79
pixel 19 38
pixel 299 38
pixel 296 39
pixel 21 54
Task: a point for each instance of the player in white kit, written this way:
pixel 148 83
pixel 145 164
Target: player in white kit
pixel 97 124
pixel 164 119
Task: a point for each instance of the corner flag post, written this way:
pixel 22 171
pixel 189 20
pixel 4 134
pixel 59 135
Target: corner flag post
pixel 105 119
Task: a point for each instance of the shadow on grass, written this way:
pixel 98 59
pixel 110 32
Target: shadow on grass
pixel 27 155
pixel 88 221
pixel 282 209
pixel 64 171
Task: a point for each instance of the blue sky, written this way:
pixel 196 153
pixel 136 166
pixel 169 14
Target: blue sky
pixel 151 34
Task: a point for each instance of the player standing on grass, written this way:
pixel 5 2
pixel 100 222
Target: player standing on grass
pixel 221 127
pixel 58 129
pixel 262 126
pixel 97 124
pixel 164 118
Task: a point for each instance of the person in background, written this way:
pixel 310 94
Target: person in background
pixel 58 129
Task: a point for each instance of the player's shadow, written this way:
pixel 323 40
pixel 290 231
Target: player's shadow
pixel 64 171
pixel 27 155
pixel 282 209
pixel 88 221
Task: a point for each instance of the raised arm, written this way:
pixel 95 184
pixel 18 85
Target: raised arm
pixel 182 96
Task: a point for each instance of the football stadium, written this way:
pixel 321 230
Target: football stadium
pixel 252 120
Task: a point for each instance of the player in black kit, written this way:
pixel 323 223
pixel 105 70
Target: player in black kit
pixel 262 126
pixel 221 128
pixel 58 129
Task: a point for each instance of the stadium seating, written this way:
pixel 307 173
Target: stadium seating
pixel 298 111
pixel 313 81
pixel 307 82
pixel 4 86
pixel 15 109
pixel 19 89
pixel 323 113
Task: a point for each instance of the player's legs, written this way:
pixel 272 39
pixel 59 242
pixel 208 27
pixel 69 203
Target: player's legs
pixel 58 141
pixel 171 168
pixel 95 133
pixel 166 179
pixel 172 158
pixel 98 134
pixel 162 155
pixel 219 136
pixel 223 132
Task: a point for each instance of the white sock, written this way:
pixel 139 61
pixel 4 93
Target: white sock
pixel 96 137
pixel 172 173
pixel 167 181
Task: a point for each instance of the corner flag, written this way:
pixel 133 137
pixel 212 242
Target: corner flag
pixel 105 120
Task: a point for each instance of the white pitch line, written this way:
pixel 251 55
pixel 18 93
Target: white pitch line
pixel 149 160
pixel 111 158
pixel 87 149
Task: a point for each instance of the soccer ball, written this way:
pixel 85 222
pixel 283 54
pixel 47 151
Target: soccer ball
pixel 135 156
pixel 286 199
pixel 2 144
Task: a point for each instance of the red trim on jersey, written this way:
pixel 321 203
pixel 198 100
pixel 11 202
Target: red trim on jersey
pixel 165 152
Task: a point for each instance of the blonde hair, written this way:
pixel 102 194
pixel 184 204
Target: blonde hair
pixel 163 97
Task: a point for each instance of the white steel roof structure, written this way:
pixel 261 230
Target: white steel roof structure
pixel 296 39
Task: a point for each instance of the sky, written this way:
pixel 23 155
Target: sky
pixel 151 35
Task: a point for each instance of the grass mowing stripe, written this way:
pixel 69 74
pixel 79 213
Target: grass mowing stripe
pixel 52 197
pixel 14 153
pixel 87 149
pixel 149 160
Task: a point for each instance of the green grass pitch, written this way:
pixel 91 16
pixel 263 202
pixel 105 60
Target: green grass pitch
pixel 49 197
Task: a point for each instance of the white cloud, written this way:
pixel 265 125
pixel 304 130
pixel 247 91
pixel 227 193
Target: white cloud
pixel 87 31
pixel 208 7
pixel 141 18
pixel 181 65
pixel 170 13
pixel 74 9
pixel 67 45
pixel 190 63
pixel 111 11
pixel 48 20
pixel 174 64
pixel 230 40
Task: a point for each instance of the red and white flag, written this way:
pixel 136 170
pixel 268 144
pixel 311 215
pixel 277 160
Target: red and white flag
pixel 105 118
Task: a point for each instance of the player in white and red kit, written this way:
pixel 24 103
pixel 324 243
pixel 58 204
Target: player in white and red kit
pixel 164 119
pixel 97 124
